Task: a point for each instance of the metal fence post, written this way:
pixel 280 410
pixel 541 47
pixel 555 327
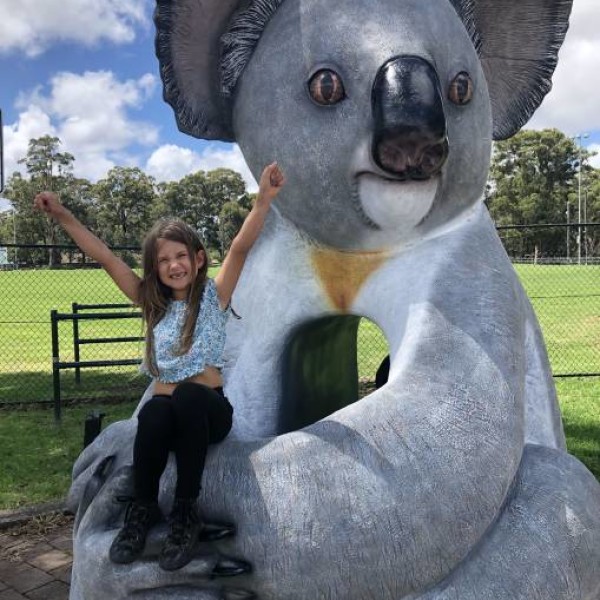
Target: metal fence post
pixel 55 365
pixel 92 427
pixel 74 307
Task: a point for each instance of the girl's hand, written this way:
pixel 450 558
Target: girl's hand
pixel 49 203
pixel 271 181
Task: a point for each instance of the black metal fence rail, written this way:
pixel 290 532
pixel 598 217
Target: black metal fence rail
pixel 78 341
pixel 552 243
pixel 77 364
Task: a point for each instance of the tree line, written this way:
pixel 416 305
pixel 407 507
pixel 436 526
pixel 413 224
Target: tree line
pixel 543 177
pixel 119 208
pixel 536 177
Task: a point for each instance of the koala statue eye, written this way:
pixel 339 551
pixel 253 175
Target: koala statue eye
pixel 461 89
pixel 326 87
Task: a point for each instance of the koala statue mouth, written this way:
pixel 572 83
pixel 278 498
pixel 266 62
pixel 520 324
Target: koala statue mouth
pixel 390 204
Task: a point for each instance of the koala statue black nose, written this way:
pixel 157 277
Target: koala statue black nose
pixel 410 139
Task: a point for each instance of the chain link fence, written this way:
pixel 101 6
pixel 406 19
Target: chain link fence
pixel 36 280
pixel 559 266
pixel 559 269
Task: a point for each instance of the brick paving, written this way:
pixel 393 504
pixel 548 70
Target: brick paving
pixel 36 558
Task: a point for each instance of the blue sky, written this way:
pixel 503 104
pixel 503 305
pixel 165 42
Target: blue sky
pixel 85 70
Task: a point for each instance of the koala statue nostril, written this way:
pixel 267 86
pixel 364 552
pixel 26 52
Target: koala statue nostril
pixel 393 158
pixel 433 158
pixel 402 157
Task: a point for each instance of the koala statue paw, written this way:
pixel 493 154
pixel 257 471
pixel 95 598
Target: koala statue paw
pixel 99 517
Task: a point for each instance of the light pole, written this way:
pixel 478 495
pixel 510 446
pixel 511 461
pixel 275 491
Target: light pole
pixel 585 237
pixel 568 213
pixel 580 137
pixel 12 210
pixel 14 215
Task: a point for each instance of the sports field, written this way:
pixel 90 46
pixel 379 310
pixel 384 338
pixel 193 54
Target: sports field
pixel 567 302
pixel 25 334
pixel 566 299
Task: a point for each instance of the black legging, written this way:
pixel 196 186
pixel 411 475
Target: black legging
pixel 186 422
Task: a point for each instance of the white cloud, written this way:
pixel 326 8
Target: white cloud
pixel 90 114
pixel 31 26
pixel 170 162
pixel 572 105
pixel 595 160
pixel 5 205
pixel 32 123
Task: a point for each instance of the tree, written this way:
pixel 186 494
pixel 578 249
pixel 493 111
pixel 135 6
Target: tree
pixel 224 185
pixel 246 201
pixel 199 198
pixel 78 196
pixel 231 218
pixel 22 224
pixel 591 195
pixel 44 162
pixel 122 206
pixel 532 180
pixel 48 169
pixel 187 199
pixel 125 207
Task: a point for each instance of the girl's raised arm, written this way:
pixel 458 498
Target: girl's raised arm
pixel 270 183
pixel 125 278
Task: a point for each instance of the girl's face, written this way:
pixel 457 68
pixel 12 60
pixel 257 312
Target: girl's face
pixel 176 269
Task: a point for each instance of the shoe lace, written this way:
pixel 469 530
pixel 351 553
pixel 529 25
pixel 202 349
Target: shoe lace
pixel 183 517
pixel 137 517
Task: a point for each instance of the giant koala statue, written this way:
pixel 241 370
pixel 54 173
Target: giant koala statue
pixel 451 482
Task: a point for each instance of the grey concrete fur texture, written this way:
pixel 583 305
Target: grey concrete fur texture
pixel 451 482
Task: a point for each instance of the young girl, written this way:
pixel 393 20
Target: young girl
pixel 185 314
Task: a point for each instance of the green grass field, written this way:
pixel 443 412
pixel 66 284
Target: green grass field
pixel 38 455
pixel 567 302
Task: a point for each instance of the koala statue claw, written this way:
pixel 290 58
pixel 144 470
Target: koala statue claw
pixel 452 481
pixel 107 485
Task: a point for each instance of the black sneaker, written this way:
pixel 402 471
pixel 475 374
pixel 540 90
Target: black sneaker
pixel 178 549
pixel 130 541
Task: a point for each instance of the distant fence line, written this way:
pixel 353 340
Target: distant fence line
pixel 562 281
pixel 552 243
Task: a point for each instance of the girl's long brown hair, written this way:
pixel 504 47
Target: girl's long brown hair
pixel 155 296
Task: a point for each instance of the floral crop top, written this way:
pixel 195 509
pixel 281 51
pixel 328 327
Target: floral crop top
pixel 207 344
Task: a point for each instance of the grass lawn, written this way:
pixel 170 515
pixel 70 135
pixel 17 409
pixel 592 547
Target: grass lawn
pixel 580 405
pixel 566 300
pixel 38 455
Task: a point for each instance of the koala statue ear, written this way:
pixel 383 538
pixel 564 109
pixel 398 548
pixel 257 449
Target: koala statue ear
pixel 519 42
pixel 188 34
